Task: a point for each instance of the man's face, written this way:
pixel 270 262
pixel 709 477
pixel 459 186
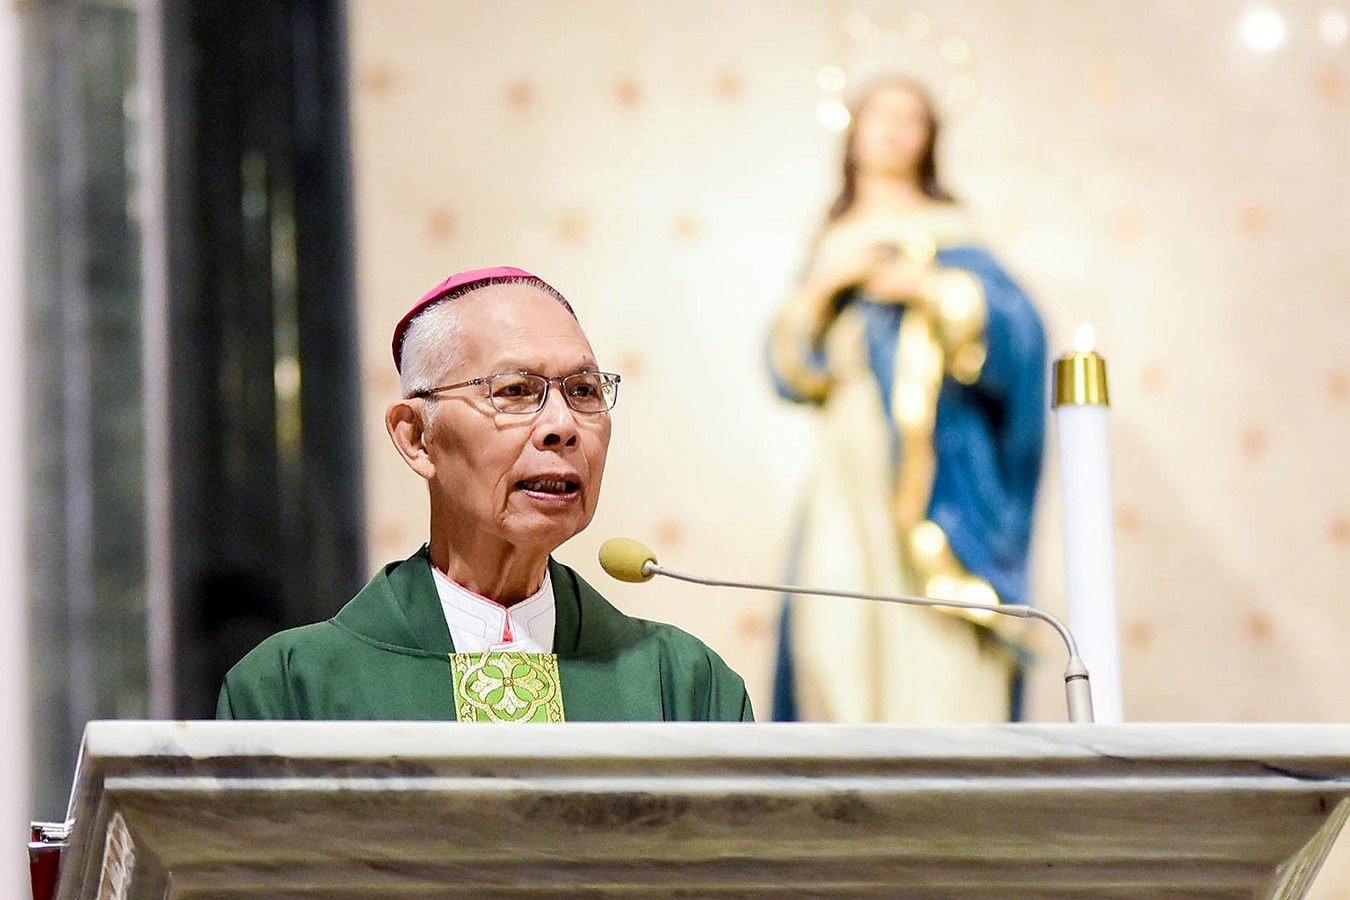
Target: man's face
pixel 531 481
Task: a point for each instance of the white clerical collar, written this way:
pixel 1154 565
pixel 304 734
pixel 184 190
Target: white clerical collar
pixel 480 625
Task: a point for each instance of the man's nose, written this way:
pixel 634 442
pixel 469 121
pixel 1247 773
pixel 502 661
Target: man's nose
pixel 557 423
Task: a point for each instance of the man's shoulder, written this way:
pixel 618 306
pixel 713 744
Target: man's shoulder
pixel 283 646
pixel 259 686
pixel 678 641
pixel 369 608
pixel 333 635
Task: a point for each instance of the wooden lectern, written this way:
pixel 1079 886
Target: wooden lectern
pixel 197 810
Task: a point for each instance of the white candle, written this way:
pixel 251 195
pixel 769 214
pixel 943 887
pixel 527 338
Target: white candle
pixel 1081 406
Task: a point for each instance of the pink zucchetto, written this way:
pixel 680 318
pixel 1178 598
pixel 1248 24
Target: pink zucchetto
pixel 463 280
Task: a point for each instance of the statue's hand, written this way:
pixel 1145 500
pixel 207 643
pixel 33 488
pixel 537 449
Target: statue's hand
pixel 899 280
pixel 842 266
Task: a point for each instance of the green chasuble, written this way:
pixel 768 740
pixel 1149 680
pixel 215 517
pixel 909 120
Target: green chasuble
pixel 386 655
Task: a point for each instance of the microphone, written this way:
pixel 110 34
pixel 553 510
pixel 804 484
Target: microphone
pixel 631 561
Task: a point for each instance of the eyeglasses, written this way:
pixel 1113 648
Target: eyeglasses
pixel 524 393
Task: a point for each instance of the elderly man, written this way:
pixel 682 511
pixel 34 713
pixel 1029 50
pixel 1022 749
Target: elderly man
pixel 506 415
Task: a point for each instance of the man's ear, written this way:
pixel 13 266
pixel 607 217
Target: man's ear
pixel 407 429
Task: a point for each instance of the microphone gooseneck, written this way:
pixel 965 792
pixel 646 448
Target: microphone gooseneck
pixel 628 560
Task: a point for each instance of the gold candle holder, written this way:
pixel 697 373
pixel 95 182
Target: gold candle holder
pixel 1080 375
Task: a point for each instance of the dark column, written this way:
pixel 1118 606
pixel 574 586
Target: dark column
pixel 262 471
pixel 266 483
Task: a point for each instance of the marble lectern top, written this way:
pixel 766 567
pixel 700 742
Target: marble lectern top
pixel 197 810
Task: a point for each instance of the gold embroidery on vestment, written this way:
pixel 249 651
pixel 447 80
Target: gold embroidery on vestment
pixel 504 686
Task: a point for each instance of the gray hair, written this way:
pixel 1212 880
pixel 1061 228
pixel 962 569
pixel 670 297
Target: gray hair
pixel 432 342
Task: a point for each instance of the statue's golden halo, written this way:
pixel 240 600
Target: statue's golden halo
pixel 878 44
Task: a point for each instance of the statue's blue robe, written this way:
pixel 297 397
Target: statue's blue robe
pixel 988 436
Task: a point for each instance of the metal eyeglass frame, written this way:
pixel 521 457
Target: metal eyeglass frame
pixel 609 390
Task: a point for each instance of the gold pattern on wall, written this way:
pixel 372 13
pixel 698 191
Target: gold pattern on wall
pixel 1339 531
pixel 686 226
pixel 1254 219
pixel 1151 378
pixel 386 383
pixel 1338 385
pixel 628 92
pixel 730 85
pixel 441 225
pixel 377 80
pixel 1254 442
pixel 670 532
pixel 630 364
pixel 1331 83
pixel 392 534
pixel 520 96
pixel 1259 626
pixel 573 227
pixel 1126 225
pixel 754 625
pixel 1128 521
pixel 1136 636
pixel 1105 83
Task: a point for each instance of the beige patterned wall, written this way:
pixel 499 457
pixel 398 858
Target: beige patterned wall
pixel 1140 164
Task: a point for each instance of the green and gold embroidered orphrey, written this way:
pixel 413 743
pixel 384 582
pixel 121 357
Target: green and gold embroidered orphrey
pixel 507 687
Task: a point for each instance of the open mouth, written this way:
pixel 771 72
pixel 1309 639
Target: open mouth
pixel 549 485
